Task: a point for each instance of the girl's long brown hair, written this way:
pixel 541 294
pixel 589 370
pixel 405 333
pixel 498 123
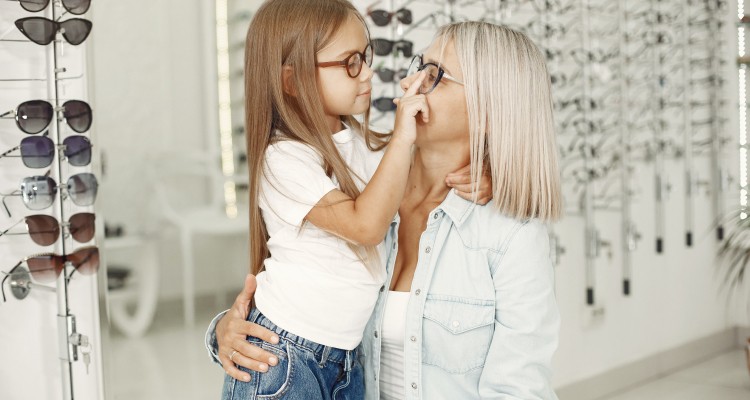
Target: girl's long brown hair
pixel 290 33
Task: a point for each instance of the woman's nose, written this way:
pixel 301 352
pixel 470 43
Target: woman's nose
pixel 406 82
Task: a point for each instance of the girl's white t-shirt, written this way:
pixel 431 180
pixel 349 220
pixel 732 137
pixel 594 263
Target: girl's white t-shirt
pixel 314 285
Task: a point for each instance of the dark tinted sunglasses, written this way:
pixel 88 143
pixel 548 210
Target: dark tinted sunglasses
pixel 39 151
pixel 34 116
pixel 42 30
pixel 76 7
pixel 46 267
pixel 38 192
pixel 45 229
pixel 353 62
pixel 383 17
pixel 384 47
pixel 389 75
pixel 384 104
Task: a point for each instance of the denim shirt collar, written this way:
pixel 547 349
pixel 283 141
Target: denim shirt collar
pixel 456 208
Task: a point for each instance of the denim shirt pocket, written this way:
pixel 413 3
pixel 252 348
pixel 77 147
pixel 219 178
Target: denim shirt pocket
pixel 457 332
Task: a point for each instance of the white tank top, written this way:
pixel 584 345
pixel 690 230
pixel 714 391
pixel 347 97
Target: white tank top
pixel 392 352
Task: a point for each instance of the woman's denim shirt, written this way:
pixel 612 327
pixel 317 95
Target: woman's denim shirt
pixel 482 320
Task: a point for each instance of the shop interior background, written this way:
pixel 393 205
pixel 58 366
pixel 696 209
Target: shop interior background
pixel 649 96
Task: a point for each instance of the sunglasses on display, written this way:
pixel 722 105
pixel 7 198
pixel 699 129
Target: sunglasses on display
pixel 383 17
pixel 34 116
pixel 76 7
pixel 384 104
pixel 46 267
pixel 384 47
pixel 45 229
pixel 389 75
pixel 39 151
pixel 38 192
pixel 434 74
pixel 42 30
pixel 353 62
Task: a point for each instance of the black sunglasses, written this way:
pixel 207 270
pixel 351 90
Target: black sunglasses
pixel 353 62
pixel 42 31
pixel 39 151
pixel 384 47
pixel 34 116
pixel 383 17
pixel 38 192
pixel 76 7
pixel 389 75
pixel 384 104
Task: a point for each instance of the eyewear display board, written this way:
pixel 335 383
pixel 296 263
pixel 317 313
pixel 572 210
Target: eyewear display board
pixel 49 258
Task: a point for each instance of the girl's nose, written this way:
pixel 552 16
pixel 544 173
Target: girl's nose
pixel 366 73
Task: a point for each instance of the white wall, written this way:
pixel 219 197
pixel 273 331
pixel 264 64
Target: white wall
pixel 29 365
pixel 150 75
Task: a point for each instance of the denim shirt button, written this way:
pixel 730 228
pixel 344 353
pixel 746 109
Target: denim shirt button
pixel 417 292
pixel 427 250
pixel 455 324
pixel 376 333
pixel 413 338
pixel 414 385
pixel 435 216
pixel 382 288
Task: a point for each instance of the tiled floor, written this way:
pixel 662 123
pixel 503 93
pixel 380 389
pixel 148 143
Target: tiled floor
pixel 724 377
pixel 170 363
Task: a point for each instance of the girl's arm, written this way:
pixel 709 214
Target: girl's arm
pixel 527 320
pixel 366 219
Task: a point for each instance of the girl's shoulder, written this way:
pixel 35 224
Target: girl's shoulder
pixel 287 150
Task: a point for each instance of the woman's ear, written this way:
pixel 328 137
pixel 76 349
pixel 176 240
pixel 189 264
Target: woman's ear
pixel 287 80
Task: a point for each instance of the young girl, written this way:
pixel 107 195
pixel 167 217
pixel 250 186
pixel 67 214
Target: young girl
pixel 316 229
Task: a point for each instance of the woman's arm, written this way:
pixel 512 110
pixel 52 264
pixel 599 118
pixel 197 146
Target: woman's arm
pixel 527 320
pixel 365 220
pixel 229 334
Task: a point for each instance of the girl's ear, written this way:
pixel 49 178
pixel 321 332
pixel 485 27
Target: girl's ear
pixel 287 80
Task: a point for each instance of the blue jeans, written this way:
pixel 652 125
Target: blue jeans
pixel 306 370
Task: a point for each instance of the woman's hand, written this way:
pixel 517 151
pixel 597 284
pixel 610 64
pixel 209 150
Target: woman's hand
pixel 461 182
pixel 408 106
pixel 231 335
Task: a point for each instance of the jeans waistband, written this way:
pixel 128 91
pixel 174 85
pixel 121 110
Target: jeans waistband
pixel 322 353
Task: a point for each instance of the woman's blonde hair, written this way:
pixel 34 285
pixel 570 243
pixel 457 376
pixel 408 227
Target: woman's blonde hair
pixel 289 33
pixel 511 126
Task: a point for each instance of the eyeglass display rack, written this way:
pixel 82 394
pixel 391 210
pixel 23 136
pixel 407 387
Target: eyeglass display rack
pixel 639 90
pixel 73 345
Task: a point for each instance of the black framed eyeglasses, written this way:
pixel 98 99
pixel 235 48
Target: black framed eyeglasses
pixel 353 62
pixel 434 74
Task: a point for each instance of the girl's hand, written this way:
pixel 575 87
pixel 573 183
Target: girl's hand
pixel 231 335
pixel 461 182
pixel 407 109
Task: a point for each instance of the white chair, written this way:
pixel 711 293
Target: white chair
pixel 209 218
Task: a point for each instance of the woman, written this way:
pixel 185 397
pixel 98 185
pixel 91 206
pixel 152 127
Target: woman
pixel 470 310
